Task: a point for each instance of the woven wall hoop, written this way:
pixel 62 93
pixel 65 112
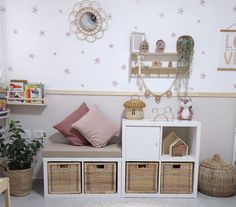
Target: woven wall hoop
pixel 88 21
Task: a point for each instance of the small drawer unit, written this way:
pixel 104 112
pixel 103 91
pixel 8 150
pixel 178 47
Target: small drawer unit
pixel 64 177
pixel 177 178
pixel 141 177
pixel 100 177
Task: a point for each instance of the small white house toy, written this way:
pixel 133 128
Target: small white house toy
pixel 134 108
pixel 174 145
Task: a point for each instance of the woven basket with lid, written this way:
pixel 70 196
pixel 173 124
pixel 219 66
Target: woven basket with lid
pixel 217 177
pixel 134 108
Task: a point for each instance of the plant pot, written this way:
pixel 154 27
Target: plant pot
pixel 20 181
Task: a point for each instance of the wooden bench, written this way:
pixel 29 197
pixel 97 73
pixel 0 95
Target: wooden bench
pixel 65 170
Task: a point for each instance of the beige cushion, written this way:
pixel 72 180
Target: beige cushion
pixel 66 150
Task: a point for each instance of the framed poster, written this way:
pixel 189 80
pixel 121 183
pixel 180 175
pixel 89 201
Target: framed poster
pixel 136 39
pixel 228 50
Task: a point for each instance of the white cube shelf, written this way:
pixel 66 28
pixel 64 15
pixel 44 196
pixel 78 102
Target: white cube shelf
pixel 142 141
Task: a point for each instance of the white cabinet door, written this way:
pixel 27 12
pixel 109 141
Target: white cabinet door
pixel 142 143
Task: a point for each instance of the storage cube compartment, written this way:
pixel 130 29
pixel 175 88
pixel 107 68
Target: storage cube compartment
pixel 177 178
pixel 179 141
pixel 100 177
pixel 141 177
pixel 64 177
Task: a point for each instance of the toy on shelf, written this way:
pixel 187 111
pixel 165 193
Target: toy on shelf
pixel 134 108
pixel 185 111
pixel 166 115
pixel 174 146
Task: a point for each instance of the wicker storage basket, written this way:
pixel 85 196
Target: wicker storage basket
pixel 217 177
pixel 20 181
pixel 134 108
pixel 141 177
pixel 100 177
pixel 177 178
pixel 64 177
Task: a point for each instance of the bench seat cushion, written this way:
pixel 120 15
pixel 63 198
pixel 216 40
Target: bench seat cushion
pixel 66 150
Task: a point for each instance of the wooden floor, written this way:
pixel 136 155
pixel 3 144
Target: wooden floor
pixel 36 199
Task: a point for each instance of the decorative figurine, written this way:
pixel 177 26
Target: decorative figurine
pixel 160 46
pixel 185 111
pixel 144 46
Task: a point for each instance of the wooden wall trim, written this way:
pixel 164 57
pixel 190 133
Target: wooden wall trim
pixel 129 93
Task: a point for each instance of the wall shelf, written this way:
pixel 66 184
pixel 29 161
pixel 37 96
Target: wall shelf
pixel 26 101
pixel 158 71
pixel 148 70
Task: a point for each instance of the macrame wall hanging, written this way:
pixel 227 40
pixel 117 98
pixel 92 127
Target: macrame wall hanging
pixel 185 50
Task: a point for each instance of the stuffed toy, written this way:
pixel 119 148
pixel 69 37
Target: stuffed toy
pixel 185 111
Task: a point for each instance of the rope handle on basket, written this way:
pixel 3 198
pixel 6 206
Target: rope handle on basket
pixel 134 95
pixel 4 166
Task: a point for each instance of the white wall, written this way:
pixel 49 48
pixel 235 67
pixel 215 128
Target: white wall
pixel 55 51
pixel 31 55
pixel 217 115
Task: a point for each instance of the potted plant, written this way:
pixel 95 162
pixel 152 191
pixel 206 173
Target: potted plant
pixel 17 156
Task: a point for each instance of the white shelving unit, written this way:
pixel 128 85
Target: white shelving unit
pixel 142 142
pixel 4 120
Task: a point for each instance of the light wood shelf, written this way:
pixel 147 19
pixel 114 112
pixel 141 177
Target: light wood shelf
pixel 26 101
pixel 148 70
pixel 159 71
pixel 156 56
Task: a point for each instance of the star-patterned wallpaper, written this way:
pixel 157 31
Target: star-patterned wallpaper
pixel 38 44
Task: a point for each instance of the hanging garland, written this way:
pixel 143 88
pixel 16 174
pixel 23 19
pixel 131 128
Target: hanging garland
pixel 185 45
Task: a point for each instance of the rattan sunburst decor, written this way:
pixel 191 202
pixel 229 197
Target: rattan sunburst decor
pixel 88 20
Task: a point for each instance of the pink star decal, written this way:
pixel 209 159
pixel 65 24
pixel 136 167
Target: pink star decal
pixel 35 10
pixel 67 71
pixel 180 11
pixel 97 60
pixel 68 34
pixel 202 2
pixel 111 46
pixel 109 17
pixel 10 68
pixel 123 67
pixel 173 34
pixel 42 33
pixel 115 83
pixel 31 55
pixel 161 15
pixel 203 76
pixel 2 9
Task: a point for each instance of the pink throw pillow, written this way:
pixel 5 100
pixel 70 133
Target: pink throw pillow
pixel 96 127
pixel 73 136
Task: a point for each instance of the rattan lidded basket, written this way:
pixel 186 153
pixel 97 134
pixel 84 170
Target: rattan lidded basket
pixel 134 108
pixel 217 177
